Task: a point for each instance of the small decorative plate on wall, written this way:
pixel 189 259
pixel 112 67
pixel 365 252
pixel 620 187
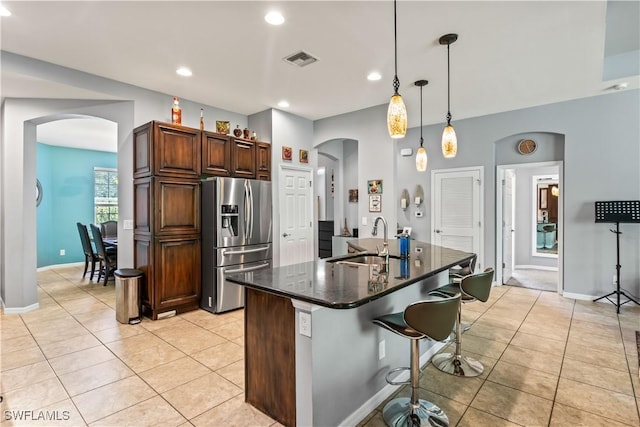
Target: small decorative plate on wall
pixel 527 146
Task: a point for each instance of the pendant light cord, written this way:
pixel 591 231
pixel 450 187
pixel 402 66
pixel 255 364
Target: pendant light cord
pixel 448 87
pixel 421 140
pixel 396 82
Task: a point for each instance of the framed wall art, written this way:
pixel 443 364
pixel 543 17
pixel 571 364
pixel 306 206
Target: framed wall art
pixel 375 203
pixel 353 196
pixel 287 153
pixel 304 156
pixel 375 186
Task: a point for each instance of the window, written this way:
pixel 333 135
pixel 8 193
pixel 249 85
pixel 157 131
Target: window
pixel 105 199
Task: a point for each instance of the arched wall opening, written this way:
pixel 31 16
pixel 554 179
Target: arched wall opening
pixel 20 118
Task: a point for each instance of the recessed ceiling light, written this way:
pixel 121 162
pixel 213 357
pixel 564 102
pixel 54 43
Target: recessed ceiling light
pixel 374 76
pixel 283 104
pixel 184 71
pixel 274 18
pixel 4 11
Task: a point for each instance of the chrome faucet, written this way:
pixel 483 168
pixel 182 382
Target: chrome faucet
pixel 385 248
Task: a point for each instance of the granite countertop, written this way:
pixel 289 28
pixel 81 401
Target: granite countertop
pixel 343 286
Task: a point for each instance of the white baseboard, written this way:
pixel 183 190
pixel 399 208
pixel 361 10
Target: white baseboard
pixel 375 401
pixel 20 310
pixel 50 267
pixel 535 267
pixel 578 296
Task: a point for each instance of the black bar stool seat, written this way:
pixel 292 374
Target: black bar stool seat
pixel 474 287
pixel 433 319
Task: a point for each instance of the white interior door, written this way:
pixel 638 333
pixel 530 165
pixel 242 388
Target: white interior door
pixel 456 210
pixel 508 226
pixel 296 216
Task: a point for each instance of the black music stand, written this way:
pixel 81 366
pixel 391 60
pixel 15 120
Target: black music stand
pixel 618 211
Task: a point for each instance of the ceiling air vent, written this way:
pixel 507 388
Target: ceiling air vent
pixel 301 59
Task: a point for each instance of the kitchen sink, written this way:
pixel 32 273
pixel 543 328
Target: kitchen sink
pixel 362 259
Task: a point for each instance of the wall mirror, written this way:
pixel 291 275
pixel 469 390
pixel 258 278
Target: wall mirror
pixel 546 231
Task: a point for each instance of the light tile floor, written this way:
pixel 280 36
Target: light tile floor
pixel 550 361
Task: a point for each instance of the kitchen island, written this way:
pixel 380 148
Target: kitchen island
pixel 312 355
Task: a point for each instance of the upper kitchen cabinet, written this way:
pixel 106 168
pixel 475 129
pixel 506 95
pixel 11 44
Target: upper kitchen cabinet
pixel 263 161
pixel 163 149
pixel 243 158
pixel 216 154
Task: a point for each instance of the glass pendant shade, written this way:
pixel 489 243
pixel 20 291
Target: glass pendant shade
pixel 449 142
pixel 397 117
pixel 421 159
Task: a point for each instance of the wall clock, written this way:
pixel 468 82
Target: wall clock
pixel 527 146
pixel 38 193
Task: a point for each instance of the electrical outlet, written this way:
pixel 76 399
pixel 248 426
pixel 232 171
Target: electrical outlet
pixel 615 279
pixel 381 350
pixel 63 252
pixel 305 324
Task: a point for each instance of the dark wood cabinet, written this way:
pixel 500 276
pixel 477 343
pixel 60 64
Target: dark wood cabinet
pixel 243 158
pixel 263 161
pixel 171 267
pixel 167 169
pixel 216 154
pixel 166 206
pixel 168 150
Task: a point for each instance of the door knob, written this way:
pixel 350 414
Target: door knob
pixel 437 231
pixel 286 234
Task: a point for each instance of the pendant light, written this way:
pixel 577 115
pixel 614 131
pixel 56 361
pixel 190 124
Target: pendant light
pixel 421 154
pixel 449 139
pixel 397 112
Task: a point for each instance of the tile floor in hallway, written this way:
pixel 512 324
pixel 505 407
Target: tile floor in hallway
pixel 549 361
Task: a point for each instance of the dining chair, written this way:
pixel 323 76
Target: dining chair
pixel 109 229
pixel 109 260
pixel 89 254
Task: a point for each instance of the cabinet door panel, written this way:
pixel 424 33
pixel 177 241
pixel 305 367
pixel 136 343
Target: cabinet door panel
pixel 176 151
pixel 177 271
pixel 177 206
pixel 263 161
pixel 243 158
pixel 216 154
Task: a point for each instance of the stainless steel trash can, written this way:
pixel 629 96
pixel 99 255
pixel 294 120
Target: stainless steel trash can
pixel 128 295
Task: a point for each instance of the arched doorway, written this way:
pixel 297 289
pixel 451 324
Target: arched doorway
pixel 18 279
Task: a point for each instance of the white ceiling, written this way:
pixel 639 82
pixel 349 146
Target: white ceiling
pixel 509 54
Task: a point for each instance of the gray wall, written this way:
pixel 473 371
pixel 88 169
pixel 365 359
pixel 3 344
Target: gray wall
pixel 601 157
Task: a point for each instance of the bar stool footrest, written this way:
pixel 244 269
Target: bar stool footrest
pixel 393 371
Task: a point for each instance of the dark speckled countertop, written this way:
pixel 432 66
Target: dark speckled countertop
pixel 342 286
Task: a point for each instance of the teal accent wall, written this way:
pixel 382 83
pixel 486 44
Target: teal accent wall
pixel 66 176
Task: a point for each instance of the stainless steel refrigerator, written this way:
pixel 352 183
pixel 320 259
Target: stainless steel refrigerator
pixel 236 237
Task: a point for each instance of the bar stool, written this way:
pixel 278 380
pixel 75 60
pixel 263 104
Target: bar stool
pixel 473 287
pixel 434 319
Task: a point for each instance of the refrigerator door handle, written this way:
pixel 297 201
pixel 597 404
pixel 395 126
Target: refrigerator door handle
pixel 225 252
pixel 244 270
pixel 247 212
pixel 250 208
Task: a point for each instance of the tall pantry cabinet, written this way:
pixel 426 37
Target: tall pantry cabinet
pixel 167 166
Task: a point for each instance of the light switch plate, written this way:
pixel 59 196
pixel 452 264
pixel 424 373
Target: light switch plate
pixel 127 224
pixel 364 220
